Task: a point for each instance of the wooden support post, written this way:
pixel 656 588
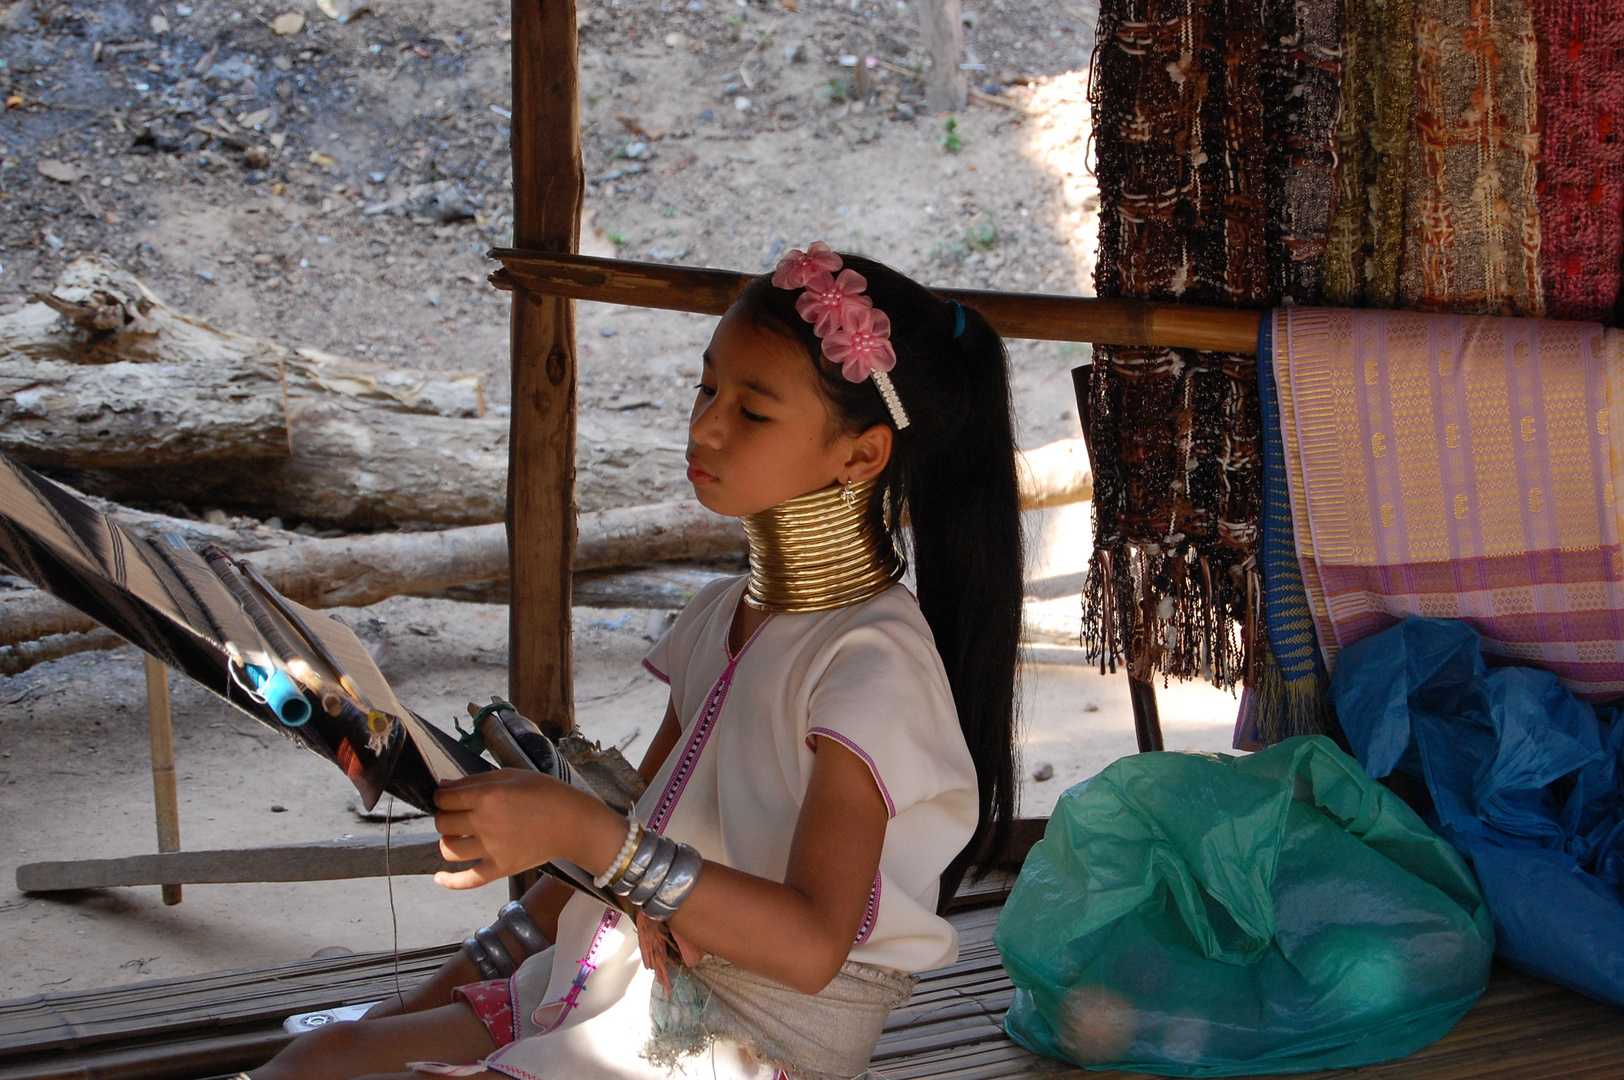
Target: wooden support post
pixel 164 796
pixel 548 186
pixel 942 24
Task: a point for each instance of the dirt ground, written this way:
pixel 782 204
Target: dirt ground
pixel 337 186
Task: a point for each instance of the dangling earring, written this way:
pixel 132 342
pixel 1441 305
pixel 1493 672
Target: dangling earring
pixel 848 494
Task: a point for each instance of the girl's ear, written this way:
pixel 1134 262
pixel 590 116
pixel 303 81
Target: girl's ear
pixel 869 453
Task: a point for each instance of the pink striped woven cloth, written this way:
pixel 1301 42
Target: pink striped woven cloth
pixel 1459 467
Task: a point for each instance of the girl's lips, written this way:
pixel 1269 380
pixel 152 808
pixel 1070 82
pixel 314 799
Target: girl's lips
pixel 696 475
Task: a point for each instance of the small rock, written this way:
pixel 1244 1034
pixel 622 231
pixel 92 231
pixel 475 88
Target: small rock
pixel 281 62
pixel 263 259
pixel 1043 771
pixel 327 952
pixel 278 808
pixel 323 160
pixel 606 331
pixel 287 23
pixel 905 111
pixel 674 40
pixel 1091 706
pixel 794 53
pixel 256 157
pixel 216 517
pixel 130 178
pixel 63 172
pixel 159 24
pixel 742 104
pixel 272 522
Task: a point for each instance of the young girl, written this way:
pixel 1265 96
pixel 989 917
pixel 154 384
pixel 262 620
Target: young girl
pixel 835 752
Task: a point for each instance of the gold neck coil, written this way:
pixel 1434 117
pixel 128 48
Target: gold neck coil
pixel 819 551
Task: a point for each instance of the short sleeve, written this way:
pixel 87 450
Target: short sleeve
pixel 884 696
pixel 673 655
pixel 658 661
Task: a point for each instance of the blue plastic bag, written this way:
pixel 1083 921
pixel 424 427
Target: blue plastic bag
pixel 1206 915
pixel 1524 779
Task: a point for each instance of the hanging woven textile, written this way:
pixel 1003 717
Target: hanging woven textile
pixel 1366 244
pixel 1178 125
pixel 1302 70
pixel 1473 236
pixel 1214 129
pixel 1581 168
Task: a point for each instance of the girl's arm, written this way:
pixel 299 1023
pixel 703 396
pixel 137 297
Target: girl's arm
pixel 797 932
pixel 544 900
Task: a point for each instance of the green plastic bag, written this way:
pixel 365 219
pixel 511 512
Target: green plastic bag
pixel 1205 915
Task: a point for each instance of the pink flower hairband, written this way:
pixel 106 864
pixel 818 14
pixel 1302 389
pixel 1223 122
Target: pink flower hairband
pixel 855 334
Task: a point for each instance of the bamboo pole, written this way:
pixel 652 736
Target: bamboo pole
pixel 1046 317
pixel 164 796
pixel 548 186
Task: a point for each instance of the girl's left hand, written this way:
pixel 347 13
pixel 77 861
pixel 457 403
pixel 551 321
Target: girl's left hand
pixel 512 820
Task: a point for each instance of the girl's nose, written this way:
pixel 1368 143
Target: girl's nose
pixel 705 427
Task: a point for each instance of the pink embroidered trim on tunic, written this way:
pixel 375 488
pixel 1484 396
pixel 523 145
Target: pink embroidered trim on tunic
pixel 661 816
pixel 656 672
pixel 890 806
pixel 872 915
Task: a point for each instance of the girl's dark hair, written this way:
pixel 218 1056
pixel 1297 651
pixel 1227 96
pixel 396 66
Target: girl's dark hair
pixel 951 480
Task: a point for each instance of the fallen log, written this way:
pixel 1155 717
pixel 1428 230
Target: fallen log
pixel 18 658
pixel 102 374
pixel 1055 474
pixel 355 469
pixel 55 414
pixel 353 571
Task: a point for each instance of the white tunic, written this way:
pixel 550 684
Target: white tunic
pixel 867 676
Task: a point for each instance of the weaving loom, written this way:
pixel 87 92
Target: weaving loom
pixel 214 619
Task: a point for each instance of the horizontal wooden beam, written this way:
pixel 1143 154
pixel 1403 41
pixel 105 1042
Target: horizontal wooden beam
pixel 1042 316
pixel 327 860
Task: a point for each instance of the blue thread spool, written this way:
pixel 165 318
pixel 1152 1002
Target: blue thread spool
pixel 286 700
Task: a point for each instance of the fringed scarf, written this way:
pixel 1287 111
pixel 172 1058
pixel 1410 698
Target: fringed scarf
pixel 1473 236
pixel 1581 169
pixel 1366 245
pixel 1178 122
pixel 1215 129
pixel 1302 70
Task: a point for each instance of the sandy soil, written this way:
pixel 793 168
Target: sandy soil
pixel 717 132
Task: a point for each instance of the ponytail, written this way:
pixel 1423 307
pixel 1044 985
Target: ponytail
pixel 952 506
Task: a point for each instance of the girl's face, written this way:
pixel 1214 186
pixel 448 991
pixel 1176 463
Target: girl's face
pixel 761 430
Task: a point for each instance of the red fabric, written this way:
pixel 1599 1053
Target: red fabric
pixel 492 1002
pixel 1581 172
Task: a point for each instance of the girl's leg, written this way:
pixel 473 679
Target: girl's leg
pixel 450 1034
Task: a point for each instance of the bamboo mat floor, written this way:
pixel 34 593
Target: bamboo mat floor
pixel 206 1026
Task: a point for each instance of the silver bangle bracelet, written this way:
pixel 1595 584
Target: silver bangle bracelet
pixel 657 870
pixel 500 958
pixel 472 949
pixel 641 858
pixel 518 922
pixel 678 884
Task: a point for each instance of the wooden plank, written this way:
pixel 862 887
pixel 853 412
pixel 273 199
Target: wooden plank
pixel 327 860
pixel 165 801
pixel 548 186
pixel 1046 317
pixel 1522 1029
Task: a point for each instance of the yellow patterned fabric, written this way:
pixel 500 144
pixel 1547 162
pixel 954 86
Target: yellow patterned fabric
pixel 1459 467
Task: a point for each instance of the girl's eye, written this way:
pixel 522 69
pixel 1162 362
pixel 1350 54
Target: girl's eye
pixel 708 391
pixel 754 418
